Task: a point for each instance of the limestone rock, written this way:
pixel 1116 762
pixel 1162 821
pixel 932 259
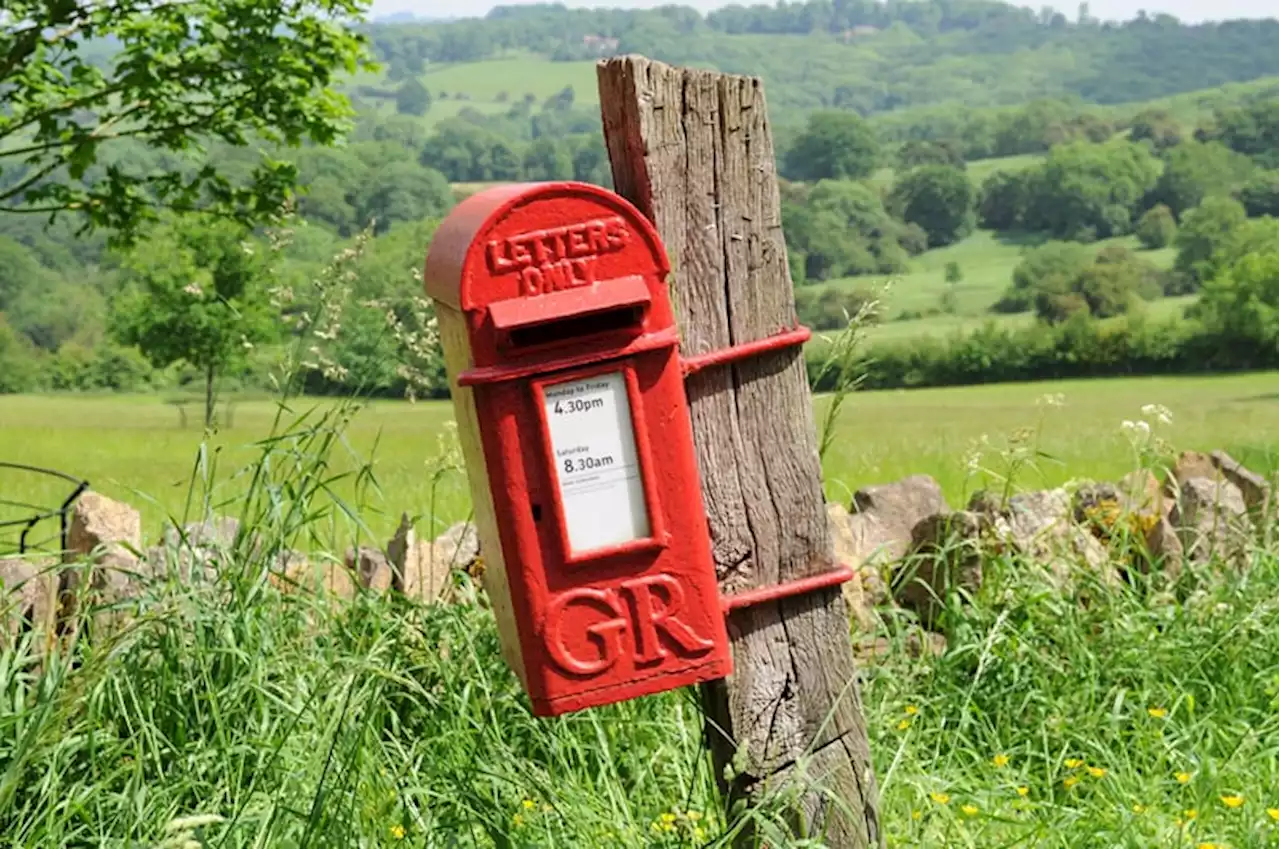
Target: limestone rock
pixel 106 536
pixel 945 555
pixel 1193 464
pixel 1253 486
pixel 370 568
pixel 846 554
pixel 1142 493
pixel 427 575
pixel 1039 526
pixel 1211 519
pixel 28 602
pixel 880 527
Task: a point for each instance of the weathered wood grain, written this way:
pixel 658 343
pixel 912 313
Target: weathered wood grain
pixel 692 149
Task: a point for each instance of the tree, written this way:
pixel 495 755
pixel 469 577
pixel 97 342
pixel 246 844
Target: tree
pixel 1003 202
pixel 403 191
pixel 1238 305
pixel 244 72
pixel 412 98
pixel 916 153
pixel 546 159
pixel 839 228
pixel 834 146
pixel 952 272
pixel 1085 191
pixel 197 294
pixel 939 198
pixel 1049 267
pixel 1203 232
pixel 1157 126
pixel 1261 195
pixel 1157 229
pixel 1193 171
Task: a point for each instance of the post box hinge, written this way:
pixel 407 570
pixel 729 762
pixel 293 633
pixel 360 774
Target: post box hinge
pixel 786 339
pixel 787 589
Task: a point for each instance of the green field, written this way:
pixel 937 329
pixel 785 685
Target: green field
pixel 133 447
pixel 986 259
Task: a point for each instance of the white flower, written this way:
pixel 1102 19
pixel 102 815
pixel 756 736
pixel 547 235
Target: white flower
pixel 193 288
pixel 1159 412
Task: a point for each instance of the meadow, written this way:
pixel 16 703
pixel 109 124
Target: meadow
pixel 234 714
pixel 133 447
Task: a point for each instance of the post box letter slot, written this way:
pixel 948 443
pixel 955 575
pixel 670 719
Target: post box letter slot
pixel 603 306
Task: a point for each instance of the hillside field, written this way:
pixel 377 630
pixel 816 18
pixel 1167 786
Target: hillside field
pixel 133 448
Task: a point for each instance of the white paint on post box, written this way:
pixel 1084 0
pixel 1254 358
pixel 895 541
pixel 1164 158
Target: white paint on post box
pixel 594 446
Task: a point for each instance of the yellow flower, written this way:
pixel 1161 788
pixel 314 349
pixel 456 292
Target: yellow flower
pixel 1232 801
pixel 1191 813
pixel 694 816
pixel 397 831
pixel 911 710
pixel 1139 809
pixel 1207 846
pixel 517 819
pixel 529 804
pixel 1096 771
pixel 1000 760
pixel 969 810
pixel 903 724
pixel 940 798
pixel 1023 791
pixel 1070 781
pixel 1183 777
pixel 915 815
pixel 1274 813
pixel 1157 713
pixel 698 833
pixel 668 819
pixel 1072 763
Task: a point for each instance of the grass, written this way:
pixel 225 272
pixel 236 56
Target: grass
pixel 132 447
pixel 233 714
pixel 979 169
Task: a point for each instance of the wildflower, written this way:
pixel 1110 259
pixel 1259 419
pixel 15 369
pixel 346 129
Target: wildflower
pixel 397 831
pixel 1139 809
pixel 903 724
pixel 1232 802
pixel 517 819
pixel 667 819
pixel 1208 846
pixel 699 833
pixel 969 810
pixel 1157 712
pixel 1000 760
pixel 1159 412
pixel 528 804
pixel 915 815
pixel 1023 791
pixel 1191 813
pixel 940 798
pixel 1182 777
pixel 1070 781
pixel 694 816
pixel 1073 763
pixel 1274 813
pixel 911 710
pixel 1096 771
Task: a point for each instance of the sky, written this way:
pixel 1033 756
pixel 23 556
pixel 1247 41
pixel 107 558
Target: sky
pixel 1190 11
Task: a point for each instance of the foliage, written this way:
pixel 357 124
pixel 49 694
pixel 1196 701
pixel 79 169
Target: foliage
pixel 1204 231
pixel 833 146
pixel 953 273
pixel 1061 279
pixel 832 309
pixel 917 152
pixel 1157 126
pixel 198 294
pixel 1261 195
pixel 179 74
pixel 402 191
pixel 838 228
pixel 1157 227
pixel 1249 128
pixel 1003 200
pixel 1239 302
pixel 1087 191
pixel 412 98
pixel 937 198
pixel 1193 171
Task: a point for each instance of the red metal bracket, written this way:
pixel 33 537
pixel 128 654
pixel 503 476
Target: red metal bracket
pixel 800 586
pixel 786 339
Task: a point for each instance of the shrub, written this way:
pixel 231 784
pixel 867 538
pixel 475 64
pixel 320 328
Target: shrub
pixel 1157 229
pixel 831 308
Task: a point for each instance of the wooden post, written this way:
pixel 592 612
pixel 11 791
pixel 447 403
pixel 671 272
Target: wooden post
pixel 693 151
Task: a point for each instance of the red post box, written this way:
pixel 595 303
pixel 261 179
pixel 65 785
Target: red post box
pixel 568 387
